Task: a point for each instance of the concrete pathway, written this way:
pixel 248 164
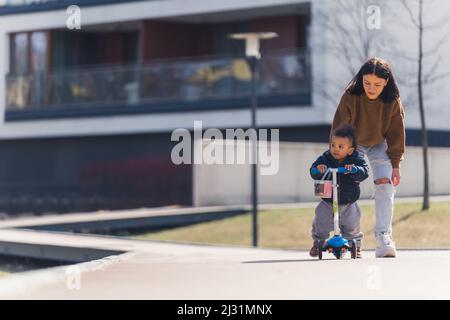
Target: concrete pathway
pixel 135 269
pixel 159 270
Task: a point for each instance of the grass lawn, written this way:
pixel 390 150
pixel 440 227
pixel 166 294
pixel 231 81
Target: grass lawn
pixel 3 273
pixel 292 228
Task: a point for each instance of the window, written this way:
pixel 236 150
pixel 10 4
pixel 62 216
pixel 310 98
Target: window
pixel 19 61
pixel 38 51
pixel 28 52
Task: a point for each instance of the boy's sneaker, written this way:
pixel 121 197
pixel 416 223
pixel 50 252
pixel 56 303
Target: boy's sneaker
pixel 358 251
pixel 314 252
pixel 385 246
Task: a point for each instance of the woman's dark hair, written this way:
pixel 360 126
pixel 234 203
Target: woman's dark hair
pixel 346 131
pixel 381 69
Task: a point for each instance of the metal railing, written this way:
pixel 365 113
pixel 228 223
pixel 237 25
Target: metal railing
pixel 8 7
pixel 282 73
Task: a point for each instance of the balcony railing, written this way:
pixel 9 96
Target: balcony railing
pixel 160 86
pixel 22 6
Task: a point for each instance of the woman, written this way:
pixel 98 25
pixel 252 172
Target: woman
pixel 371 104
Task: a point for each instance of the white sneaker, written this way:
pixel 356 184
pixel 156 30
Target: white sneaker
pixel 385 246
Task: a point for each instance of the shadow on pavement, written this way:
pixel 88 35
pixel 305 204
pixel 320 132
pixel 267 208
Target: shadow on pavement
pixel 285 261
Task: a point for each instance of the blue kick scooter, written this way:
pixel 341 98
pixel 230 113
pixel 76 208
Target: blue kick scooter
pixel 337 244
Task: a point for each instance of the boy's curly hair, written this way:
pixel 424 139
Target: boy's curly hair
pixel 346 131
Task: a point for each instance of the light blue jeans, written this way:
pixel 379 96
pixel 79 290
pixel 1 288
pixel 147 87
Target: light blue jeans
pixel 384 193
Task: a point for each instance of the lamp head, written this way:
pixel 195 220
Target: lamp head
pixel 252 40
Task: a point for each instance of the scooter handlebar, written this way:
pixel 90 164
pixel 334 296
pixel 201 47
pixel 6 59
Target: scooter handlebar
pixel 352 170
pixel 342 170
pixel 339 169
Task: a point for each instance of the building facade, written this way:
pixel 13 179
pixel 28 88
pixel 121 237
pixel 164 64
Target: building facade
pixel 87 114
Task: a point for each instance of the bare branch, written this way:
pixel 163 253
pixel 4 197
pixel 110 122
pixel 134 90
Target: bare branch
pixel 411 15
pixel 351 37
pixel 347 37
pixel 409 100
pixel 437 77
pixel 438 25
pixel 402 55
pixel 407 83
pixel 347 41
pixel 355 15
pixel 430 73
pixel 437 46
pixel 330 97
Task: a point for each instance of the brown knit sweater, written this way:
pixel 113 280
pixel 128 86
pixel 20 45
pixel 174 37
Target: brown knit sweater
pixel 374 121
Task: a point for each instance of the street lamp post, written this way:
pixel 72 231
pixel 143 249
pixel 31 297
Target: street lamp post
pixel 252 52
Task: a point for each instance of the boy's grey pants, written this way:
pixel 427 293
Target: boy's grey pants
pixel 349 221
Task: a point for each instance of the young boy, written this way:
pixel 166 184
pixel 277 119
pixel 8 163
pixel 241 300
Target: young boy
pixel 342 153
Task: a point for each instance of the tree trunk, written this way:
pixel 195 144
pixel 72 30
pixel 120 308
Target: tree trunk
pixel 424 135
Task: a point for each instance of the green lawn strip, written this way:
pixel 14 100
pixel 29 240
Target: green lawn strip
pixel 3 274
pixel 292 228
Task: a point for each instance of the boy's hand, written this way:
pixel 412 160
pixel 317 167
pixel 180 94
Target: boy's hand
pixel 322 168
pixel 350 168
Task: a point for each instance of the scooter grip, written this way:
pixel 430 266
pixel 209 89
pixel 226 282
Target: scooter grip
pixel 343 170
pixel 315 171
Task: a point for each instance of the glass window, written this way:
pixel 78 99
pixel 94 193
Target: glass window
pixel 38 51
pixel 20 53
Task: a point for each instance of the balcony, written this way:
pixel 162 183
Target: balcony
pixel 210 83
pixel 21 6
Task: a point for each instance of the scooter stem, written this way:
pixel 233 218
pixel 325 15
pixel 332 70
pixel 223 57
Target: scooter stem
pixel 337 230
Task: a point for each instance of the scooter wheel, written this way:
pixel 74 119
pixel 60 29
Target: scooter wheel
pixel 320 249
pixel 337 253
pixel 353 248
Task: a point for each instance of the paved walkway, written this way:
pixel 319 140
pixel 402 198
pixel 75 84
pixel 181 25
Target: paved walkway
pixel 164 270
pixel 158 270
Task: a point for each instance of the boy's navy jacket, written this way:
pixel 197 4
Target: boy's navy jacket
pixel 348 190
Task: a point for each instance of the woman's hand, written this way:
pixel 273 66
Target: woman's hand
pixel 396 176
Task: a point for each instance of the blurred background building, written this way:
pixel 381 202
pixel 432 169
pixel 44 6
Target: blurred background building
pixel 87 115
